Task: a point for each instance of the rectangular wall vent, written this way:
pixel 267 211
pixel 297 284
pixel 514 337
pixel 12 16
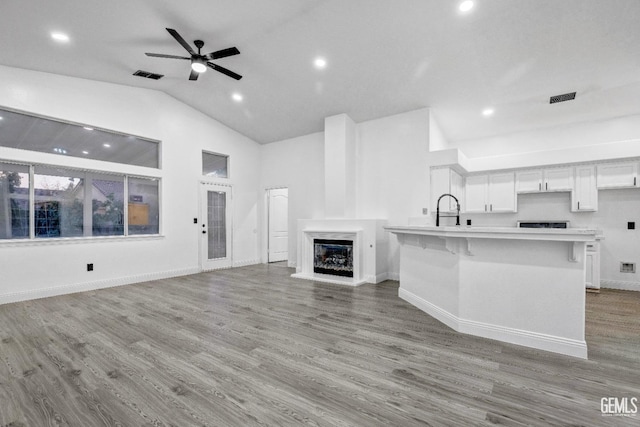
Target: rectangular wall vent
pixel 627 267
pixel 563 97
pixel 148 75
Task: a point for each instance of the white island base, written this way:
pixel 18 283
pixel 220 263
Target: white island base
pixel 522 286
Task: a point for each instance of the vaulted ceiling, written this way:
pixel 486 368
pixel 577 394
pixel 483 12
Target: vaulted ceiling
pixel 383 57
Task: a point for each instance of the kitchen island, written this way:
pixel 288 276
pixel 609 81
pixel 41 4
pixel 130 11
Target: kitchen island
pixel 522 286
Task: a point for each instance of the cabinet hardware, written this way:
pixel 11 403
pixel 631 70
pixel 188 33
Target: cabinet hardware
pixel 546 185
pixel 578 205
pixel 539 186
pixel 491 207
pixel 485 207
pixel 634 180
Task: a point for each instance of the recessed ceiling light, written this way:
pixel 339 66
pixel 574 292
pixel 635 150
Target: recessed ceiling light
pixel 87 128
pixel 60 37
pixel 106 145
pixel 320 63
pixel 85 152
pixel 488 112
pixel 236 97
pixel 466 6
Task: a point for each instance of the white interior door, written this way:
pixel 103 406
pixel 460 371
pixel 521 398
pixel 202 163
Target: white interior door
pixel 278 224
pixel 215 226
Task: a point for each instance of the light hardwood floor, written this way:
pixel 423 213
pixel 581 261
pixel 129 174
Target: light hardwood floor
pixel 252 346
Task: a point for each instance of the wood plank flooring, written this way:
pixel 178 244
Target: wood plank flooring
pixel 252 346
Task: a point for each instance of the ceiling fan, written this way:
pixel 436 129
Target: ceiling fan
pixel 199 62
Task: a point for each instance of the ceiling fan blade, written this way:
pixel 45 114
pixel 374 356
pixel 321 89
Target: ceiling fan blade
pixel 194 75
pixel 180 40
pixel 162 55
pixel 223 53
pixel 224 71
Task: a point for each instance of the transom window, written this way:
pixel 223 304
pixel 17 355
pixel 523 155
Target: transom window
pixel 33 133
pixel 215 165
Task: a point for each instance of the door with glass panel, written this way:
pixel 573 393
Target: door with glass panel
pixel 215 226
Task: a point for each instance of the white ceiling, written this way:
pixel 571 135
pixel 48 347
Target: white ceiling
pixel 384 57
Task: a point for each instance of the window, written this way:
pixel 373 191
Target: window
pixel 27 132
pixel 215 165
pixel 58 202
pixel 68 202
pixel 14 201
pixel 107 204
pixel 143 206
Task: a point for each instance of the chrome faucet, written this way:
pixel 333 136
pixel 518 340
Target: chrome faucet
pixel 438 210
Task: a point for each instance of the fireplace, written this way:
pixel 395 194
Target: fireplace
pixel 334 257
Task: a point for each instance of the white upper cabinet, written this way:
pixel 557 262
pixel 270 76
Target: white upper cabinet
pixel 475 193
pixel 490 193
pixel 618 175
pixel 446 181
pixel 555 179
pixel 585 195
pixel 529 181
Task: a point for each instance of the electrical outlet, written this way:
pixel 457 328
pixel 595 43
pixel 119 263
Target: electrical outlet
pixel 90 267
pixel 425 211
pixel 631 225
pixel 627 267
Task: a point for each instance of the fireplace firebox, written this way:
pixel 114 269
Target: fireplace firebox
pixel 333 257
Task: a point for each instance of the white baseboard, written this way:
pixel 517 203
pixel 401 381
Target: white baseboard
pixel 291 264
pixel 90 286
pixel 432 310
pixel 377 278
pixel 619 284
pixel 570 347
pixel 393 276
pixel 244 263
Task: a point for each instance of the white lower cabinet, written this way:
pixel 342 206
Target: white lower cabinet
pixel 593 265
pixel 490 193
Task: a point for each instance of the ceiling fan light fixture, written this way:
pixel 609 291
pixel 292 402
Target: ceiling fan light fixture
pixel 198 65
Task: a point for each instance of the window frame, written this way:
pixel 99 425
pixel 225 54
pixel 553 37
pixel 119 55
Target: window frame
pixel 33 240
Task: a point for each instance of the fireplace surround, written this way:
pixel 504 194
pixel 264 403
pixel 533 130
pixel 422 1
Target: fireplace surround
pixel 369 245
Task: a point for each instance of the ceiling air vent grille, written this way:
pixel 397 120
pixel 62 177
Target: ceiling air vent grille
pixel 563 97
pixel 148 75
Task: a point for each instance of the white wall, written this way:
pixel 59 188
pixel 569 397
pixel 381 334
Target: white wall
pixel 392 177
pixel 567 136
pixel 297 164
pixel 31 270
pixel 392 173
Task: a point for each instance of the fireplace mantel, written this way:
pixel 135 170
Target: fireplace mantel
pixel 369 249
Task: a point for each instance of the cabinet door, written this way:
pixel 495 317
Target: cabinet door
pixel 585 195
pixel 617 175
pixel 502 192
pixel 457 189
pixel 439 186
pixel 558 179
pixel 445 181
pixel 529 181
pixel 475 191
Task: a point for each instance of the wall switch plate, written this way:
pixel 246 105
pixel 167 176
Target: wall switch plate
pixel 631 225
pixel 90 267
pixel 425 211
